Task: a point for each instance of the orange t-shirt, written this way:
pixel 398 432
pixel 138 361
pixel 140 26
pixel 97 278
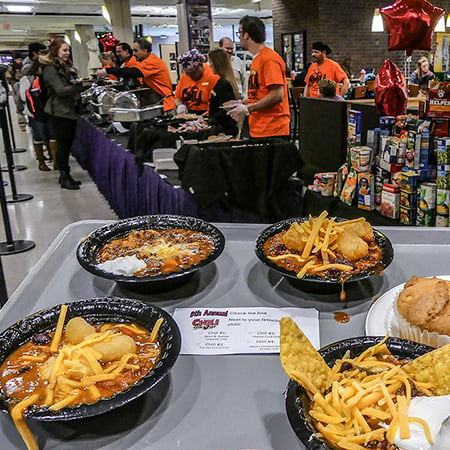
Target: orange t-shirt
pixel 329 70
pixel 268 69
pixel 195 94
pixel 156 76
pixel 133 62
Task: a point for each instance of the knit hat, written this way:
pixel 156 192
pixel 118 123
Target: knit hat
pixel 191 59
pixel 321 47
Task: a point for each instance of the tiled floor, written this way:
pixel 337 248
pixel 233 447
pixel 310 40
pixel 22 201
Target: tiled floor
pixel 51 209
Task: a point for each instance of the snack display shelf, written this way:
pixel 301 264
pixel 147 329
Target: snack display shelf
pixel 209 402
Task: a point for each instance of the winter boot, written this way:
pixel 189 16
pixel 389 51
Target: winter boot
pixel 66 181
pixel 39 149
pixel 53 149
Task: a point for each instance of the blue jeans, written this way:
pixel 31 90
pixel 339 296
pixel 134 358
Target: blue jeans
pixel 41 131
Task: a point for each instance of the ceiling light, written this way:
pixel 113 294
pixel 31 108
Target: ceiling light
pixel 105 14
pixel 377 21
pixel 448 20
pixel 67 39
pixel 440 26
pixel 18 8
pixel 77 36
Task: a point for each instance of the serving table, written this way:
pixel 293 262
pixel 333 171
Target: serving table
pixel 209 402
pixel 131 192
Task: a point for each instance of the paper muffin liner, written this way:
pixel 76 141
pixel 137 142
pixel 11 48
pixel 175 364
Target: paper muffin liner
pixel 402 328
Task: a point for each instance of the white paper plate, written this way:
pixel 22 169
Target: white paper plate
pixel 379 317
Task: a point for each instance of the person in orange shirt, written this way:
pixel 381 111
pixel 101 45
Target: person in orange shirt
pixel 268 104
pixel 324 68
pixel 125 58
pixel 152 69
pixel 196 83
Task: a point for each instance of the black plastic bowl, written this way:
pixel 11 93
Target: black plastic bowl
pixel 297 400
pixel 88 249
pixel 99 310
pixel 316 281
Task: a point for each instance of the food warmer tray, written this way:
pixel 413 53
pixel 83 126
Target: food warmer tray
pixel 136 115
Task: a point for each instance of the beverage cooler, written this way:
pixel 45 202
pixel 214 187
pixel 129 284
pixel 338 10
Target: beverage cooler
pixel 293 47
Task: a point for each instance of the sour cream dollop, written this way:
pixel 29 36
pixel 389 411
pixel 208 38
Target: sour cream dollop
pixel 124 265
pixel 436 412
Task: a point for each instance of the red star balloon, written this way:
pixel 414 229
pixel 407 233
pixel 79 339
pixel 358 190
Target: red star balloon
pixel 109 42
pixel 391 96
pixel 410 24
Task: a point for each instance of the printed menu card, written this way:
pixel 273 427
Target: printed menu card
pixel 222 331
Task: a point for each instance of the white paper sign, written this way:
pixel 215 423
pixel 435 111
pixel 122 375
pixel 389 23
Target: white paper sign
pixel 222 331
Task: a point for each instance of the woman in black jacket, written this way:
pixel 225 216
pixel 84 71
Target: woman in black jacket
pixel 224 91
pixel 60 77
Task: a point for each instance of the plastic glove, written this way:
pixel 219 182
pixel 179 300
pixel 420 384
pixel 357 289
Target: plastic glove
pixel 239 112
pixel 182 109
pixel 101 73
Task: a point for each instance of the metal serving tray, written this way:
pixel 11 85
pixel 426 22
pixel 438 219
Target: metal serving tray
pixel 136 115
pixel 207 398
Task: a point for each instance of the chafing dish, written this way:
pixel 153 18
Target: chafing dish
pixel 136 114
pixel 136 105
pixel 102 99
pixel 86 96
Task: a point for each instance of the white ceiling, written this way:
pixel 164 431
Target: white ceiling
pixel 58 16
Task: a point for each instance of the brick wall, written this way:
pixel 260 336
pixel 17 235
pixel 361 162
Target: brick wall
pixel 345 25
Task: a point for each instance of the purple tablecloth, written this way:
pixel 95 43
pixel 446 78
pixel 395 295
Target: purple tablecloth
pixel 114 171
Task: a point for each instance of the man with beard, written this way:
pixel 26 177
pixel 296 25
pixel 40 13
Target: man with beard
pixel 196 83
pixel 268 104
pixel 324 68
pixel 125 58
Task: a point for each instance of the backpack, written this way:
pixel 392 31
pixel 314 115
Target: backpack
pixel 36 98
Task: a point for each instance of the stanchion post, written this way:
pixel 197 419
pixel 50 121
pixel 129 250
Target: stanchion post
pixel 11 246
pixel 11 130
pixel 15 197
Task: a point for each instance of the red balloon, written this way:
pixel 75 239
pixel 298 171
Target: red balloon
pixel 410 24
pixel 391 96
pixel 109 42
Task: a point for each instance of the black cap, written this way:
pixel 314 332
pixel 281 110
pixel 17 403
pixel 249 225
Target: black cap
pixel 321 47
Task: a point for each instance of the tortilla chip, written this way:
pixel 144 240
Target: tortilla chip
pixel 293 238
pixel 433 368
pixel 300 360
